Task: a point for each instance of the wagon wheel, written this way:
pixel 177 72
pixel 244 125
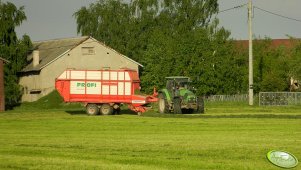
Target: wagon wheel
pixel 92 109
pixel 106 109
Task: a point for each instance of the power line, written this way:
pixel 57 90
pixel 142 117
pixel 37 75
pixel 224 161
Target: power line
pixel 282 16
pixel 236 7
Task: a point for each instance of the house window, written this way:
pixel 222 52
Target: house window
pixel 35 91
pixel 88 51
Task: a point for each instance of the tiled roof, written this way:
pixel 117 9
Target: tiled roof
pixel 50 49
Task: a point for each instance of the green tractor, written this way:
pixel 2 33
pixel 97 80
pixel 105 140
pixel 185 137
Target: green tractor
pixel 178 97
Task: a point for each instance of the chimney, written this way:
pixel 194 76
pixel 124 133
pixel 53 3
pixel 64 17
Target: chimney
pixel 35 58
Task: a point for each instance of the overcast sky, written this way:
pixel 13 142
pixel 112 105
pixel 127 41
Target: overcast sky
pixel 51 19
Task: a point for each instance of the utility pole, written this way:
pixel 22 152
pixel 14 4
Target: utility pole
pixel 250 54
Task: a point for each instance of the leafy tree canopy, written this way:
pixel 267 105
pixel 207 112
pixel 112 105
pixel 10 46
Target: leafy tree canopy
pixel 12 49
pixel 182 37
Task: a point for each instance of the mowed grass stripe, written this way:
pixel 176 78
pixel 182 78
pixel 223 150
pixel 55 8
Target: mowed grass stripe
pixel 59 140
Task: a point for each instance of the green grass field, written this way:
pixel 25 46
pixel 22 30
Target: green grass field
pixel 229 136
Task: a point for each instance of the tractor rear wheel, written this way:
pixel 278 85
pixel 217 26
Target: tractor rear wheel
pixel 200 103
pixel 177 105
pixel 92 109
pixel 106 109
pixel 163 104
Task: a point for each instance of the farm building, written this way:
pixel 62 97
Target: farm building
pixel 50 58
pixel 2 97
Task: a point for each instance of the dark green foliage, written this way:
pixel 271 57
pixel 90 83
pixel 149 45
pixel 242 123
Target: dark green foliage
pixel 12 49
pixel 272 66
pixel 209 62
pixel 180 37
pixel 295 60
pixel 168 37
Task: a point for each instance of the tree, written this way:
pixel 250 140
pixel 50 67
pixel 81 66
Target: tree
pixel 108 21
pixel 169 37
pixel 12 49
pixel 273 65
pixel 205 55
pixel 294 65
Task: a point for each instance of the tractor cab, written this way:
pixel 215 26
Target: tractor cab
pixel 177 83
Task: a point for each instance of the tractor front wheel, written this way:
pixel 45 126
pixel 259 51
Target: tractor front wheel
pixel 162 103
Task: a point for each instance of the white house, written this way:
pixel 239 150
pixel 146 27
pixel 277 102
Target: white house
pixel 50 58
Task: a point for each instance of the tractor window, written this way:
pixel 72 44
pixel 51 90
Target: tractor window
pixel 169 84
pixel 184 85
